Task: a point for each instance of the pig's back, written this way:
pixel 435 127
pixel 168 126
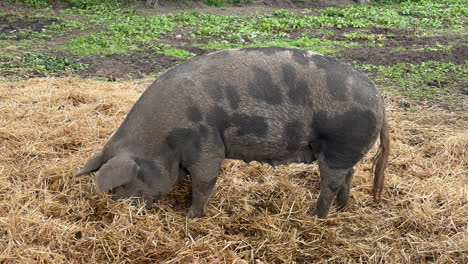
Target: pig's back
pixel 265 103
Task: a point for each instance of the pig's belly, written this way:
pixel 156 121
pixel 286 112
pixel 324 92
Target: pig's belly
pixel 273 151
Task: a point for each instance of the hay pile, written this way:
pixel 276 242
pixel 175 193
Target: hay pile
pixel 258 214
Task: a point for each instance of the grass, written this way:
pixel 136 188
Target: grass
pixel 432 80
pixel 365 36
pixel 123 36
pixel 312 44
pixel 38 65
pixel 83 4
pixel 224 3
pixel 125 30
pixel 75 3
pixel 178 53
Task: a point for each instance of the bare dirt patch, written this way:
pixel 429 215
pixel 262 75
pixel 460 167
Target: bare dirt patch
pixel 135 65
pixel 300 4
pixel 387 55
pixel 257 6
pixel 391 34
pixel 15 7
pixel 257 214
pixel 11 27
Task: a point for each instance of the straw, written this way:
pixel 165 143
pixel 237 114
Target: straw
pixel 257 214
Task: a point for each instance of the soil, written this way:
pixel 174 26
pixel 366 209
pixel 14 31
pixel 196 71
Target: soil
pixel 257 6
pixel 387 55
pixel 135 65
pixel 302 4
pixel 10 28
pixel 7 8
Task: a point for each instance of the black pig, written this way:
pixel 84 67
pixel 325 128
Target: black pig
pixel 273 105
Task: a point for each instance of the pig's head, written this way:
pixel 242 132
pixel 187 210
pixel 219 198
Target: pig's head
pixel 129 177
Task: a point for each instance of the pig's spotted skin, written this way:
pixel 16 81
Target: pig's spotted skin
pixel 293 133
pixel 362 96
pixel 301 57
pixel 213 89
pixel 345 138
pixel 233 96
pixel 194 114
pixel 298 92
pixel 336 76
pixel 218 119
pixel 203 130
pixel 147 166
pixel 250 124
pixel 273 105
pixel 337 83
pixel 263 88
pixel 185 144
pixel 324 63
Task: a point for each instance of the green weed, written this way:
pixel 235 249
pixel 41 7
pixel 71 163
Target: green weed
pixel 125 31
pixel 431 80
pixel 31 3
pixel 38 65
pixel 400 48
pixel 127 34
pixel 312 44
pixel 75 3
pixel 437 47
pixel 224 3
pixel 178 53
pixel 365 36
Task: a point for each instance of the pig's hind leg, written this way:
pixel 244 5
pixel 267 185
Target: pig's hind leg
pixel 332 182
pixel 342 198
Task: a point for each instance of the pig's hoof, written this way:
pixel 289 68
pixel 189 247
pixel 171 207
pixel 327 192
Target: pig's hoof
pixel 316 213
pixel 194 213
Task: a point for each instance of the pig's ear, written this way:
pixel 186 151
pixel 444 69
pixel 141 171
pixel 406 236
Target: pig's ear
pixel 93 164
pixel 116 172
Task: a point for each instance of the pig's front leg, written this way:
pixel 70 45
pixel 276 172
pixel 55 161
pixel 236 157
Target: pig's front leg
pixel 203 176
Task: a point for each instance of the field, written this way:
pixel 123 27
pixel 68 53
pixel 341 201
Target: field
pixel 68 77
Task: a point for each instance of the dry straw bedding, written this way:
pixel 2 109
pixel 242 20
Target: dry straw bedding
pixel 258 214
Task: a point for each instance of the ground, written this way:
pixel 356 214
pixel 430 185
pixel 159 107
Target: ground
pixel 68 77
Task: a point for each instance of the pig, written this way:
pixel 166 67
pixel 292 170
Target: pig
pixel 268 104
